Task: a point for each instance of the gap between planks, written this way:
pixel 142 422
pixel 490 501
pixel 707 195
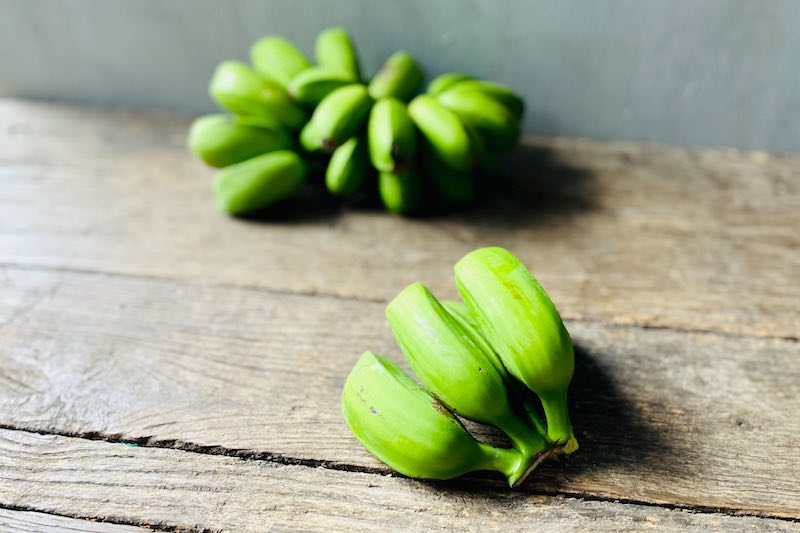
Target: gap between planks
pixel 353 298
pixel 280 459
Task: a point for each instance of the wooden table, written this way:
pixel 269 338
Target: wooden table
pixel 165 366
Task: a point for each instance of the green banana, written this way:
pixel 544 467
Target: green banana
pixel 499 92
pixel 444 132
pixel 400 192
pixel 312 85
pixel 399 77
pixel 497 126
pixel 523 326
pixel 401 424
pixel 467 322
pixel 338 117
pixel 258 182
pixel 392 137
pixel 454 368
pixel 348 168
pixel 222 140
pixel 335 51
pixel 238 89
pixel 441 83
pixel 456 186
pixel 277 59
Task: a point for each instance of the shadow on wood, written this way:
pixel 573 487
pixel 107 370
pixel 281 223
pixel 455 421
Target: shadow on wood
pixel 531 186
pixel 612 431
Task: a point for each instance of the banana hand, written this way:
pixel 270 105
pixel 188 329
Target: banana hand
pixel 454 368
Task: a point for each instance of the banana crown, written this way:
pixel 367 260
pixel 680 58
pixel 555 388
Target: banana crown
pixel 403 425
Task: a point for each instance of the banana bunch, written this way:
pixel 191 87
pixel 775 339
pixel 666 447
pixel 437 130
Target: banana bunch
pixel 288 115
pixel 492 359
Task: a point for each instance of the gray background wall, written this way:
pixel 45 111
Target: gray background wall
pixel 687 72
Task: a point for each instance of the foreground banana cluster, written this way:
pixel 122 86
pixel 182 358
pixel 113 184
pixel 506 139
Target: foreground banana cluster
pixel 284 104
pixel 487 360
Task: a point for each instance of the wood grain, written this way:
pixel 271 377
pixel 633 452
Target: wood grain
pixel 617 232
pixel 31 522
pixel 693 419
pixel 169 488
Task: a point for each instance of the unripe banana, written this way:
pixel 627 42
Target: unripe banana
pixel 238 89
pixel 497 126
pixel 444 132
pixel 348 168
pixel 399 77
pixel 258 182
pixel 521 393
pixel 400 192
pixel 401 424
pixel 441 83
pixel 456 186
pixel 523 326
pixel 222 140
pixel 454 368
pixel 499 92
pixel 338 117
pixel 278 60
pixel 335 51
pixel 312 85
pixel 392 137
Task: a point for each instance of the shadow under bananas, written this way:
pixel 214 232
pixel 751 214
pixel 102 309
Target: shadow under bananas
pixel 615 437
pixel 533 185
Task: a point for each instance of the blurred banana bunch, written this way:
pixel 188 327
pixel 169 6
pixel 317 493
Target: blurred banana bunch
pixel 368 135
pixel 502 358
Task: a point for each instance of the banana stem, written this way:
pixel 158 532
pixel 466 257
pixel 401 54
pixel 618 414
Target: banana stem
pixel 559 428
pixel 525 439
pixel 533 416
pixel 508 461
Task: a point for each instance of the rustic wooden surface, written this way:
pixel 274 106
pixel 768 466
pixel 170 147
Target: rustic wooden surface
pixel 131 312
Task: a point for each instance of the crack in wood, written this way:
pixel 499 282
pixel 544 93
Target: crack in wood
pixel 469 482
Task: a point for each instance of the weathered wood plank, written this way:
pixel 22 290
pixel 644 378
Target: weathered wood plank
pixel 170 488
pixel 619 232
pixel 663 417
pixel 32 522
